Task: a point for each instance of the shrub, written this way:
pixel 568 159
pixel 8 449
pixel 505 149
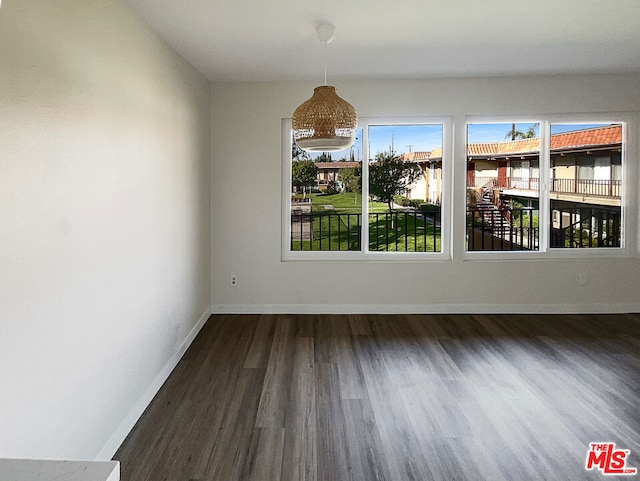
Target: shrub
pixel 332 188
pixel 425 207
pixel 400 200
pixel 404 202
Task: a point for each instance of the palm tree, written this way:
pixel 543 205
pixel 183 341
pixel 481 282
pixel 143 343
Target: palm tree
pixel 514 133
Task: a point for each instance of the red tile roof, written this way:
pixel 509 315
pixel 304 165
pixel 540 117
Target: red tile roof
pixel 611 134
pixel 416 156
pixel 503 148
pixel 599 136
pixel 435 154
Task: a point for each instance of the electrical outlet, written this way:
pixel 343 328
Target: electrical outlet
pixel 234 280
pixel 582 279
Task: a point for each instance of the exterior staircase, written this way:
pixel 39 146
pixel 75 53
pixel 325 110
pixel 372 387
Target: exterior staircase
pixel 495 219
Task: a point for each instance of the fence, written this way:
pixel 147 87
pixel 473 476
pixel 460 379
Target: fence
pixel 399 231
pixel 588 187
pixel 585 227
pixel 502 229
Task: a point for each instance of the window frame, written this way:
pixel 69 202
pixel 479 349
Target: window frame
pixel 446 206
pixel 629 170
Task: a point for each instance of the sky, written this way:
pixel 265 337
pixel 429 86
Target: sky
pixel 425 137
pixel 497 132
pixel 403 138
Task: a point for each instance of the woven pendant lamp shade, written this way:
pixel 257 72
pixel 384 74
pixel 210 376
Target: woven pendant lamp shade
pixel 325 122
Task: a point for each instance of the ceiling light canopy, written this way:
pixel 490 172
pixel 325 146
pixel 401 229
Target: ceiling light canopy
pixel 325 122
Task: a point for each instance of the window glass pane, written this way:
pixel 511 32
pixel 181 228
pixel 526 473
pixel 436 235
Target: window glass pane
pixel 616 167
pixel 586 185
pixel 503 186
pixel 405 187
pixel 585 168
pixel 326 199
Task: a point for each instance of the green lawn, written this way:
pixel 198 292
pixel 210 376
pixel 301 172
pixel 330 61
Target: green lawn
pixel 347 202
pixel 338 228
pixel 405 233
pixel 332 231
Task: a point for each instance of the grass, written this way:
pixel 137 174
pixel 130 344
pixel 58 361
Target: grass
pixel 348 202
pixel 338 228
pixel 406 233
pixel 332 232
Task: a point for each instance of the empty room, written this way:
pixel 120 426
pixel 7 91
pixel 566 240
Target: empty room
pixel 319 241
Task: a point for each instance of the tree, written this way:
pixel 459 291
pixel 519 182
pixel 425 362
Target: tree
pixel 351 179
pixel 389 175
pixel 515 134
pixel 530 133
pixel 303 173
pixel 324 157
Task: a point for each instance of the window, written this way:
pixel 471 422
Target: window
pixel 552 186
pixel 510 207
pixel 405 187
pixel 326 199
pixel 586 191
pixel 382 198
pixel 503 180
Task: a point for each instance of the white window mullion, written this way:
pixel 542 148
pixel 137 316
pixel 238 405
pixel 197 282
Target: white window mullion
pixel 628 171
pixel 447 216
pixel 544 219
pixel 364 188
pixel 286 188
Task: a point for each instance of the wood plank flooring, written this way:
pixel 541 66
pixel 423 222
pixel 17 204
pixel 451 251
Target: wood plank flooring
pixel 393 398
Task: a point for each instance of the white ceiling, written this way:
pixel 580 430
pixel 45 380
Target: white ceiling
pixel 264 40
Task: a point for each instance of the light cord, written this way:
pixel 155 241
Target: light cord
pixel 325 63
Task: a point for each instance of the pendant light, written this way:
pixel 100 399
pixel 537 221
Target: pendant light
pixel 325 122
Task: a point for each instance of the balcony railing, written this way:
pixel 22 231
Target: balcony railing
pixel 587 187
pixel 406 231
pixel 590 187
pixel 585 227
pixel 487 229
pixel 517 229
pixel 523 183
pixel 502 229
pixel 480 181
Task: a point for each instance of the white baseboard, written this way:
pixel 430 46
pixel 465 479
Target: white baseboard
pixel 130 421
pixel 426 308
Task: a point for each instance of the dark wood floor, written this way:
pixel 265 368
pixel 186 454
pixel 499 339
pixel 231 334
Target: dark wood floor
pixel 397 398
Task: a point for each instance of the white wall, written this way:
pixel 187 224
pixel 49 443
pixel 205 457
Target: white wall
pixel 104 222
pixel 246 129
